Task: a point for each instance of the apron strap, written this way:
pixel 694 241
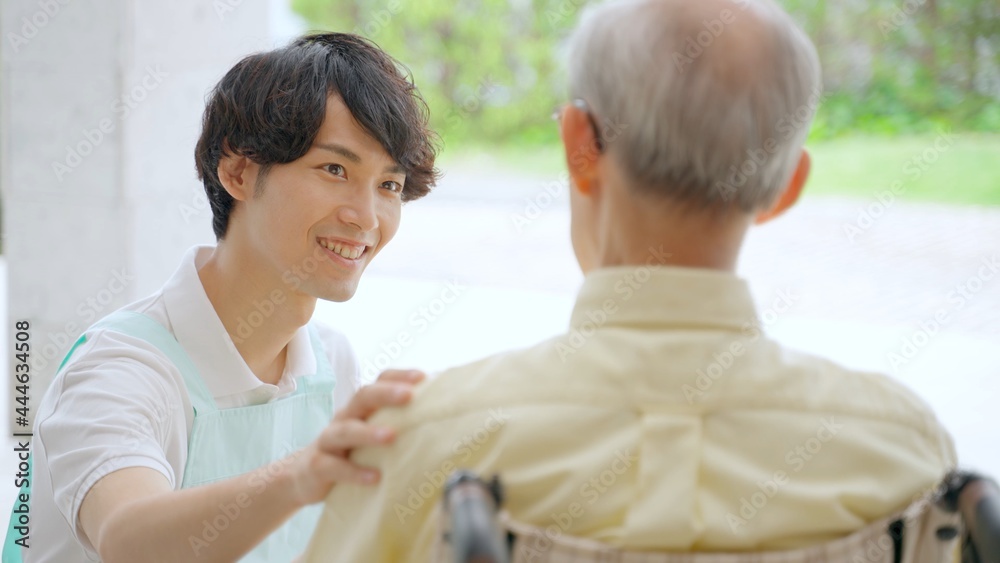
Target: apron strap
pixel 144 327
pixel 324 376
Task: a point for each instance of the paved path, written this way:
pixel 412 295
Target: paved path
pixel 901 269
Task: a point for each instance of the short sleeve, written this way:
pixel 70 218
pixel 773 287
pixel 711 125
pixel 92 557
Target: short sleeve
pixel 113 408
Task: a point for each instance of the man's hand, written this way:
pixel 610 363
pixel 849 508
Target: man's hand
pixel 325 462
pixel 132 514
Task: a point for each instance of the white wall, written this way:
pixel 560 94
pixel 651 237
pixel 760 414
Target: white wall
pixel 94 219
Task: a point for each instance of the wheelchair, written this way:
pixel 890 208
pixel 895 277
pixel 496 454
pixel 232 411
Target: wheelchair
pixel 962 513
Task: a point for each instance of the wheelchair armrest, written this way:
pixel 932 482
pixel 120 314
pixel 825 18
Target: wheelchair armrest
pixel 979 504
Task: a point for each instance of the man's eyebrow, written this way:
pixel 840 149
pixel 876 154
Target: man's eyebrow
pixel 353 157
pixel 341 150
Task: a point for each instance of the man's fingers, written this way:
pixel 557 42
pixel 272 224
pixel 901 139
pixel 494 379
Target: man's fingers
pixel 372 397
pixel 342 435
pixel 340 470
pixel 411 376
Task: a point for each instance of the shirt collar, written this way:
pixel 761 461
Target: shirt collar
pixel 201 333
pixel 663 296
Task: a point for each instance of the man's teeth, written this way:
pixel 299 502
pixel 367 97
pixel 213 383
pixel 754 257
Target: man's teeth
pixel 347 251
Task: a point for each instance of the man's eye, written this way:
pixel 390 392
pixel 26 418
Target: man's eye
pixel 335 169
pixel 394 187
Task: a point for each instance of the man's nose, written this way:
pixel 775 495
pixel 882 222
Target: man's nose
pixel 359 210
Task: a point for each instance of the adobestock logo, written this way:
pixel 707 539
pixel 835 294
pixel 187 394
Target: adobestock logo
pixel 565 9
pixel 473 101
pixel 32 25
pixel 695 47
pixel 727 356
pixel 89 310
pixel 962 294
pixel 758 157
pixel 914 168
pixel 94 138
pixel 590 492
pixel 432 485
pixel 225 7
pixel 379 20
pixel 625 287
pixel 421 319
pixel 796 460
pixel 583 157
pixel 899 17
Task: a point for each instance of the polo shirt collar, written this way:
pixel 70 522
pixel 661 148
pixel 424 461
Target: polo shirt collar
pixel 200 331
pixel 663 297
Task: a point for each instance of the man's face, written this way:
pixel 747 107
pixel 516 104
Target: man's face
pixel 321 219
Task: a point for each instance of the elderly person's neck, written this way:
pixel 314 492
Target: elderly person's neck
pixel 620 223
pixel 634 223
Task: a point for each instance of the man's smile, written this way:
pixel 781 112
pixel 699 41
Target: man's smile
pixel 343 250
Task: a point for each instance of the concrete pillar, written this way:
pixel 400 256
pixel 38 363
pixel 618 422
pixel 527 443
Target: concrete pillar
pixel 100 109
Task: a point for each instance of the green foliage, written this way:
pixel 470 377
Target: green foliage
pixel 490 70
pixel 959 171
pixel 862 166
pixel 485 67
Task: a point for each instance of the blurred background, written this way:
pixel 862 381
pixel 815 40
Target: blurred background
pixel 891 262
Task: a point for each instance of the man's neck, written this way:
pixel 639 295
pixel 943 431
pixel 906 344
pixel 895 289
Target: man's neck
pixel 672 236
pixel 241 288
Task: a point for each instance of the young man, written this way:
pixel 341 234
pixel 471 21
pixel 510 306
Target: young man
pixel 662 420
pixel 196 424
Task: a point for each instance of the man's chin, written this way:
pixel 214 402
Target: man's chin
pixel 338 293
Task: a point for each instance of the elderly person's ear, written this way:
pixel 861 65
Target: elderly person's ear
pixel 791 193
pixel 580 142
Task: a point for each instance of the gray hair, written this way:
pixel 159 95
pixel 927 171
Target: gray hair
pixel 713 99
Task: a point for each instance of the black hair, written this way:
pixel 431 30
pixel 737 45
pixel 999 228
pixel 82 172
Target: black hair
pixel 270 107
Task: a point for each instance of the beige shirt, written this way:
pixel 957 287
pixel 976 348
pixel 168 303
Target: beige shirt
pixel 662 420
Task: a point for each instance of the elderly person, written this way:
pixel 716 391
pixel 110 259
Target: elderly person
pixel 663 419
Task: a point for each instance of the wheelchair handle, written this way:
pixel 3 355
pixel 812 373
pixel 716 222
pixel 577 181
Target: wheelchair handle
pixel 472 505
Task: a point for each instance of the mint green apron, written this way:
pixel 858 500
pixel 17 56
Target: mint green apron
pixel 229 442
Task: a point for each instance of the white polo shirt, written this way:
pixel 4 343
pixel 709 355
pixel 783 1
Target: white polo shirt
pixel 121 403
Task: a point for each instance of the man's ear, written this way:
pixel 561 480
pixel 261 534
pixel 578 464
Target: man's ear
pixel 792 191
pixel 580 147
pixel 237 174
